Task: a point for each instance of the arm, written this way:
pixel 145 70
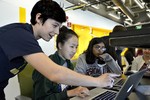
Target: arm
pixel 52 91
pixel 115 68
pixel 64 75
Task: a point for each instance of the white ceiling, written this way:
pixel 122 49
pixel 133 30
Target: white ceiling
pixel 129 11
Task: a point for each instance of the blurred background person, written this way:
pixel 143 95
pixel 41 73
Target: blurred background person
pixel 142 61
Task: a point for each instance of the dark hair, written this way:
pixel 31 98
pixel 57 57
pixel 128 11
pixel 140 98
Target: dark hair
pixel 129 55
pixel 119 28
pixel 90 57
pixel 64 35
pixel 48 9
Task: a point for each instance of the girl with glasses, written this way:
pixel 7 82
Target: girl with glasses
pixel 94 62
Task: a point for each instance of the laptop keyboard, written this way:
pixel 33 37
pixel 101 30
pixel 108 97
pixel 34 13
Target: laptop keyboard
pixel 120 82
pixel 117 86
pixel 108 95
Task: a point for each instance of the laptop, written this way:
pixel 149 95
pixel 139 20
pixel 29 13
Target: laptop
pixel 131 82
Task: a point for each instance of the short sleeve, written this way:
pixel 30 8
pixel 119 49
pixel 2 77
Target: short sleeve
pixel 19 42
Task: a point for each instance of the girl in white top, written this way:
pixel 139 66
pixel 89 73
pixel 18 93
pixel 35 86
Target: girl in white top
pixel 140 60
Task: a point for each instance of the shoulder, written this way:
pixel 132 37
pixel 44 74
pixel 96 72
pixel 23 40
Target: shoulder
pixel 139 57
pixel 17 30
pixel 55 57
pixel 52 55
pixel 12 26
pixel 82 55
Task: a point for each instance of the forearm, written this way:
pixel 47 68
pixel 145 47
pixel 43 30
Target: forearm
pixel 58 73
pixel 76 79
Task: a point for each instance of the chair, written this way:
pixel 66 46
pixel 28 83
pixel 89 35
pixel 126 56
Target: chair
pixel 26 83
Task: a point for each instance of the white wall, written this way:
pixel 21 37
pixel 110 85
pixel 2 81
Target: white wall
pixel 10 13
pixel 9 16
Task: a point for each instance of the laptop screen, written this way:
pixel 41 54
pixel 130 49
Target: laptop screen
pixel 131 83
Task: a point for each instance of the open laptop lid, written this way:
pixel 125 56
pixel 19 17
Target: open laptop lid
pixel 131 83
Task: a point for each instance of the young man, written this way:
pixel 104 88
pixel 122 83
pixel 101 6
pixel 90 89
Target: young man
pixel 19 46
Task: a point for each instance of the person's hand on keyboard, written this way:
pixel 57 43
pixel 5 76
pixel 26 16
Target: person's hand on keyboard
pixel 79 91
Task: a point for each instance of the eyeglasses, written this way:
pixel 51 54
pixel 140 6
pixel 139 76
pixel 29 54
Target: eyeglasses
pixel 100 48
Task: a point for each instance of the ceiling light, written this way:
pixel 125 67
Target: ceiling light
pixel 127 19
pixel 139 4
pixel 127 22
pixel 108 6
pixel 148 14
pixel 148 10
pixel 113 14
pixel 95 6
pixel 115 7
pixel 84 1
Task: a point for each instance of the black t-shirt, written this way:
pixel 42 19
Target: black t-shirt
pixel 16 40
